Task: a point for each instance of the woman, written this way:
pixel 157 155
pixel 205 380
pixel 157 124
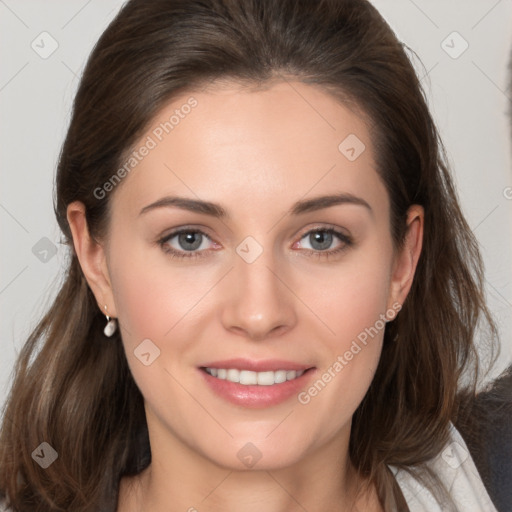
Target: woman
pixel 306 351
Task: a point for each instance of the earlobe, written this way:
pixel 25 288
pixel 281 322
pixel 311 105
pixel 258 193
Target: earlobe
pixel 406 260
pixel 92 258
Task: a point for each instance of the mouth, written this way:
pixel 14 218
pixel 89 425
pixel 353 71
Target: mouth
pixel 252 378
pixel 256 384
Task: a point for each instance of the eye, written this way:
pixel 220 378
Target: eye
pixel 321 239
pixel 188 243
pixel 193 243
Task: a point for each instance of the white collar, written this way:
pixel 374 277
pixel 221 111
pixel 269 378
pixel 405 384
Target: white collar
pixel 456 469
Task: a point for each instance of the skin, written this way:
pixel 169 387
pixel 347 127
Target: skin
pixel 255 153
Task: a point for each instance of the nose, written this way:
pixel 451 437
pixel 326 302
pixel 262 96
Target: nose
pixel 259 302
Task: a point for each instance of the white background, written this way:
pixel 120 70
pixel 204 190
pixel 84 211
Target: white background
pixel 468 96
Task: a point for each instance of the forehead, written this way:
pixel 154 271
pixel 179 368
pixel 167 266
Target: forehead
pixel 233 143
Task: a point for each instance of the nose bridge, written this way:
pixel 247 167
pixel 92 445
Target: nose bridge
pixel 258 301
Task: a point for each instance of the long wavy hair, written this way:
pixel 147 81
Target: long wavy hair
pixel 74 391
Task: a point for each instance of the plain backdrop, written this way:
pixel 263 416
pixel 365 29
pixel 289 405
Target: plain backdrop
pixel 460 48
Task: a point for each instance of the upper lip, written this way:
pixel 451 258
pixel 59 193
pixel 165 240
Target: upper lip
pixel 265 365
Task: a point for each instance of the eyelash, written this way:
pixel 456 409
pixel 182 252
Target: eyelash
pixel 345 239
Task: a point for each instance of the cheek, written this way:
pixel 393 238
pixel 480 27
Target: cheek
pixel 352 304
pixel 152 293
pixel 154 301
pixel 351 296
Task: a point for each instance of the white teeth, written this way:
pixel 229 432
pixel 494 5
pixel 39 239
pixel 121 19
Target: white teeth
pixel 280 376
pixel 233 375
pixel 249 378
pixel 267 378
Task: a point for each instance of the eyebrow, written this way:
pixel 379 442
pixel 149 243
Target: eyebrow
pixel 217 211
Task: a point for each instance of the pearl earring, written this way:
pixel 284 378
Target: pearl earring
pixel 111 326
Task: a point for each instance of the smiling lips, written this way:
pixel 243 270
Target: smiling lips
pixel 255 384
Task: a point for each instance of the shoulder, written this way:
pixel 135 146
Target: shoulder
pixel 486 426
pixel 455 468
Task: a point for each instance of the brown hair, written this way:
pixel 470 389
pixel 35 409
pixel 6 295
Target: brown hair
pixel 75 391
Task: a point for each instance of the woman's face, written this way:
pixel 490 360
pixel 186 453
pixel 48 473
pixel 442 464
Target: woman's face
pixel 256 284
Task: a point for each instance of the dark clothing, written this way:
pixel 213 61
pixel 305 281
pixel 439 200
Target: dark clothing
pixel 487 431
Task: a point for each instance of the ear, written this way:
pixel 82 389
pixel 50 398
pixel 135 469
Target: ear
pixel 92 258
pixel 406 259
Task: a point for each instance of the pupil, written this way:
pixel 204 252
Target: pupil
pixel 323 238
pixel 188 238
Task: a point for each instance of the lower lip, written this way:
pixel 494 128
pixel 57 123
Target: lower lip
pixel 256 397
